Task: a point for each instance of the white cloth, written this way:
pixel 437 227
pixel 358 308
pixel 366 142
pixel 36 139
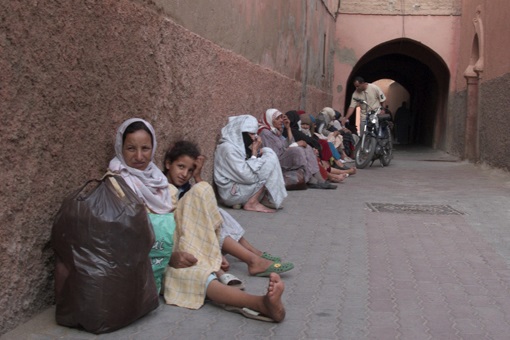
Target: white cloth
pixel 229 228
pixel 238 178
pixel 267 120
pixel 151 184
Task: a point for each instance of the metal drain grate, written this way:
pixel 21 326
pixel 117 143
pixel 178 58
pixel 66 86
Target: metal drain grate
pixel 428 209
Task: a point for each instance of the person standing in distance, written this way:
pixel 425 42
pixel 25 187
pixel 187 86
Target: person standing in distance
pixel 371 93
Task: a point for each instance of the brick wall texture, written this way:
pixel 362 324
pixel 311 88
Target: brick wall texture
pixel 398 7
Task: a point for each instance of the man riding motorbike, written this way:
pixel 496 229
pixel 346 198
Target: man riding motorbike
pixel 368 92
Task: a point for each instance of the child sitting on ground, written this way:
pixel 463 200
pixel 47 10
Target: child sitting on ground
pixel 184 161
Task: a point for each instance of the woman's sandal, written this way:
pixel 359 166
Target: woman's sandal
pixel 248 313
pixel 270 257
pixel 277 268
pixel 231 280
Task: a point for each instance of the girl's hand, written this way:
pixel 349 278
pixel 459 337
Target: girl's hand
pixel 225 266
pixel 302 143
pixel 181 259
pixel 199 164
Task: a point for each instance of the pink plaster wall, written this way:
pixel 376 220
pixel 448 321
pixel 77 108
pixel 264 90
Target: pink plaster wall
pixel 357 34
pixel 285 36
pixel 494 14
pixel 71 72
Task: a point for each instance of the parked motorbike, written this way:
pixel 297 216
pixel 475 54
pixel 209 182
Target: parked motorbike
pixel 376 141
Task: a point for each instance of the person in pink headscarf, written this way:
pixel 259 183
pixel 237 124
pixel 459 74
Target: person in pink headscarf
pixel 291 154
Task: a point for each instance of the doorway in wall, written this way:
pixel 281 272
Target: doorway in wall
pixel 409 67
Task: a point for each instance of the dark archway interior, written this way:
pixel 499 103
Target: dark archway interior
pixel 422 73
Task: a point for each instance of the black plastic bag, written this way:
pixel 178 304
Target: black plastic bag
pixel 103 275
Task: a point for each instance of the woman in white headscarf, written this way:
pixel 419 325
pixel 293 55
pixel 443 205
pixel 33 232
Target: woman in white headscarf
pixel 188 262
pixel 243 171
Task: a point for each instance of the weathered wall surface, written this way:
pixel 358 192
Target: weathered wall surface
pixel 495 38
pixel 70 73
pixel 294 38
pixel 398 7
pixel 494 116
pixel 493 105
pixel 456 120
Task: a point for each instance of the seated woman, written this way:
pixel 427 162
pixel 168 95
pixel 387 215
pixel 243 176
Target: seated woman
pixel 184 161
pixel 243 171
pixel 196 253
pixel 330 124
pixel 291 153
pixel 308 129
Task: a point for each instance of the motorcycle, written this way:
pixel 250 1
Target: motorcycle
pixel 376 141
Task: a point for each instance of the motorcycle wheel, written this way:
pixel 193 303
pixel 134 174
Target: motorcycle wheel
pixel 387 155
pixel 364 155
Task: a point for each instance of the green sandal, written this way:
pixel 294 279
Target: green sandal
pixel 277 268
pixel 270 257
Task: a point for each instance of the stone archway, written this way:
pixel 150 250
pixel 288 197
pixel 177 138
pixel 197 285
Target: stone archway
pixel 422 72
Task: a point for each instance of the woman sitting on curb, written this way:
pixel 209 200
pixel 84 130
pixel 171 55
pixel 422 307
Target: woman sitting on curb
pixel 292 154
pixel 196 254
pixel 245 173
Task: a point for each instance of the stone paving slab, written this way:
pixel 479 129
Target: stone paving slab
pixel 362 274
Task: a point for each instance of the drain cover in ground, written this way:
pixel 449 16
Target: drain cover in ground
pixel 429 209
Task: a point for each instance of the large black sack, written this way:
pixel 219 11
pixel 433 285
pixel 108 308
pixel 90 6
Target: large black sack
pixel 103 275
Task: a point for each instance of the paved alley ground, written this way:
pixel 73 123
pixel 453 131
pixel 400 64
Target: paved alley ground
pixel 416 250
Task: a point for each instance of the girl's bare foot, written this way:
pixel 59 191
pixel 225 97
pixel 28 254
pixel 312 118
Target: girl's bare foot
pixel 273 305
pixel 257 206
pixel 259 265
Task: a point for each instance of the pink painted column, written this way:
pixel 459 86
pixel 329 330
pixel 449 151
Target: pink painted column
pixel 471 149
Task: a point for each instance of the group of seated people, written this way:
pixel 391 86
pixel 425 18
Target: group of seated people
pixel 251 158
pixel 255 161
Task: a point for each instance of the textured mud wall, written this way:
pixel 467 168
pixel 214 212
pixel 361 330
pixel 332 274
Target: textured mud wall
pixel 70 73
pixel 494 117
pixel 295 38
pixel 493 137
pixel 456 123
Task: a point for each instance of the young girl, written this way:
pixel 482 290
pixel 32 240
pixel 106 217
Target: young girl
pixel 184 161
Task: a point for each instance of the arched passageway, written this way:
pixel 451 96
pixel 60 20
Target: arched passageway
pixel 424 75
